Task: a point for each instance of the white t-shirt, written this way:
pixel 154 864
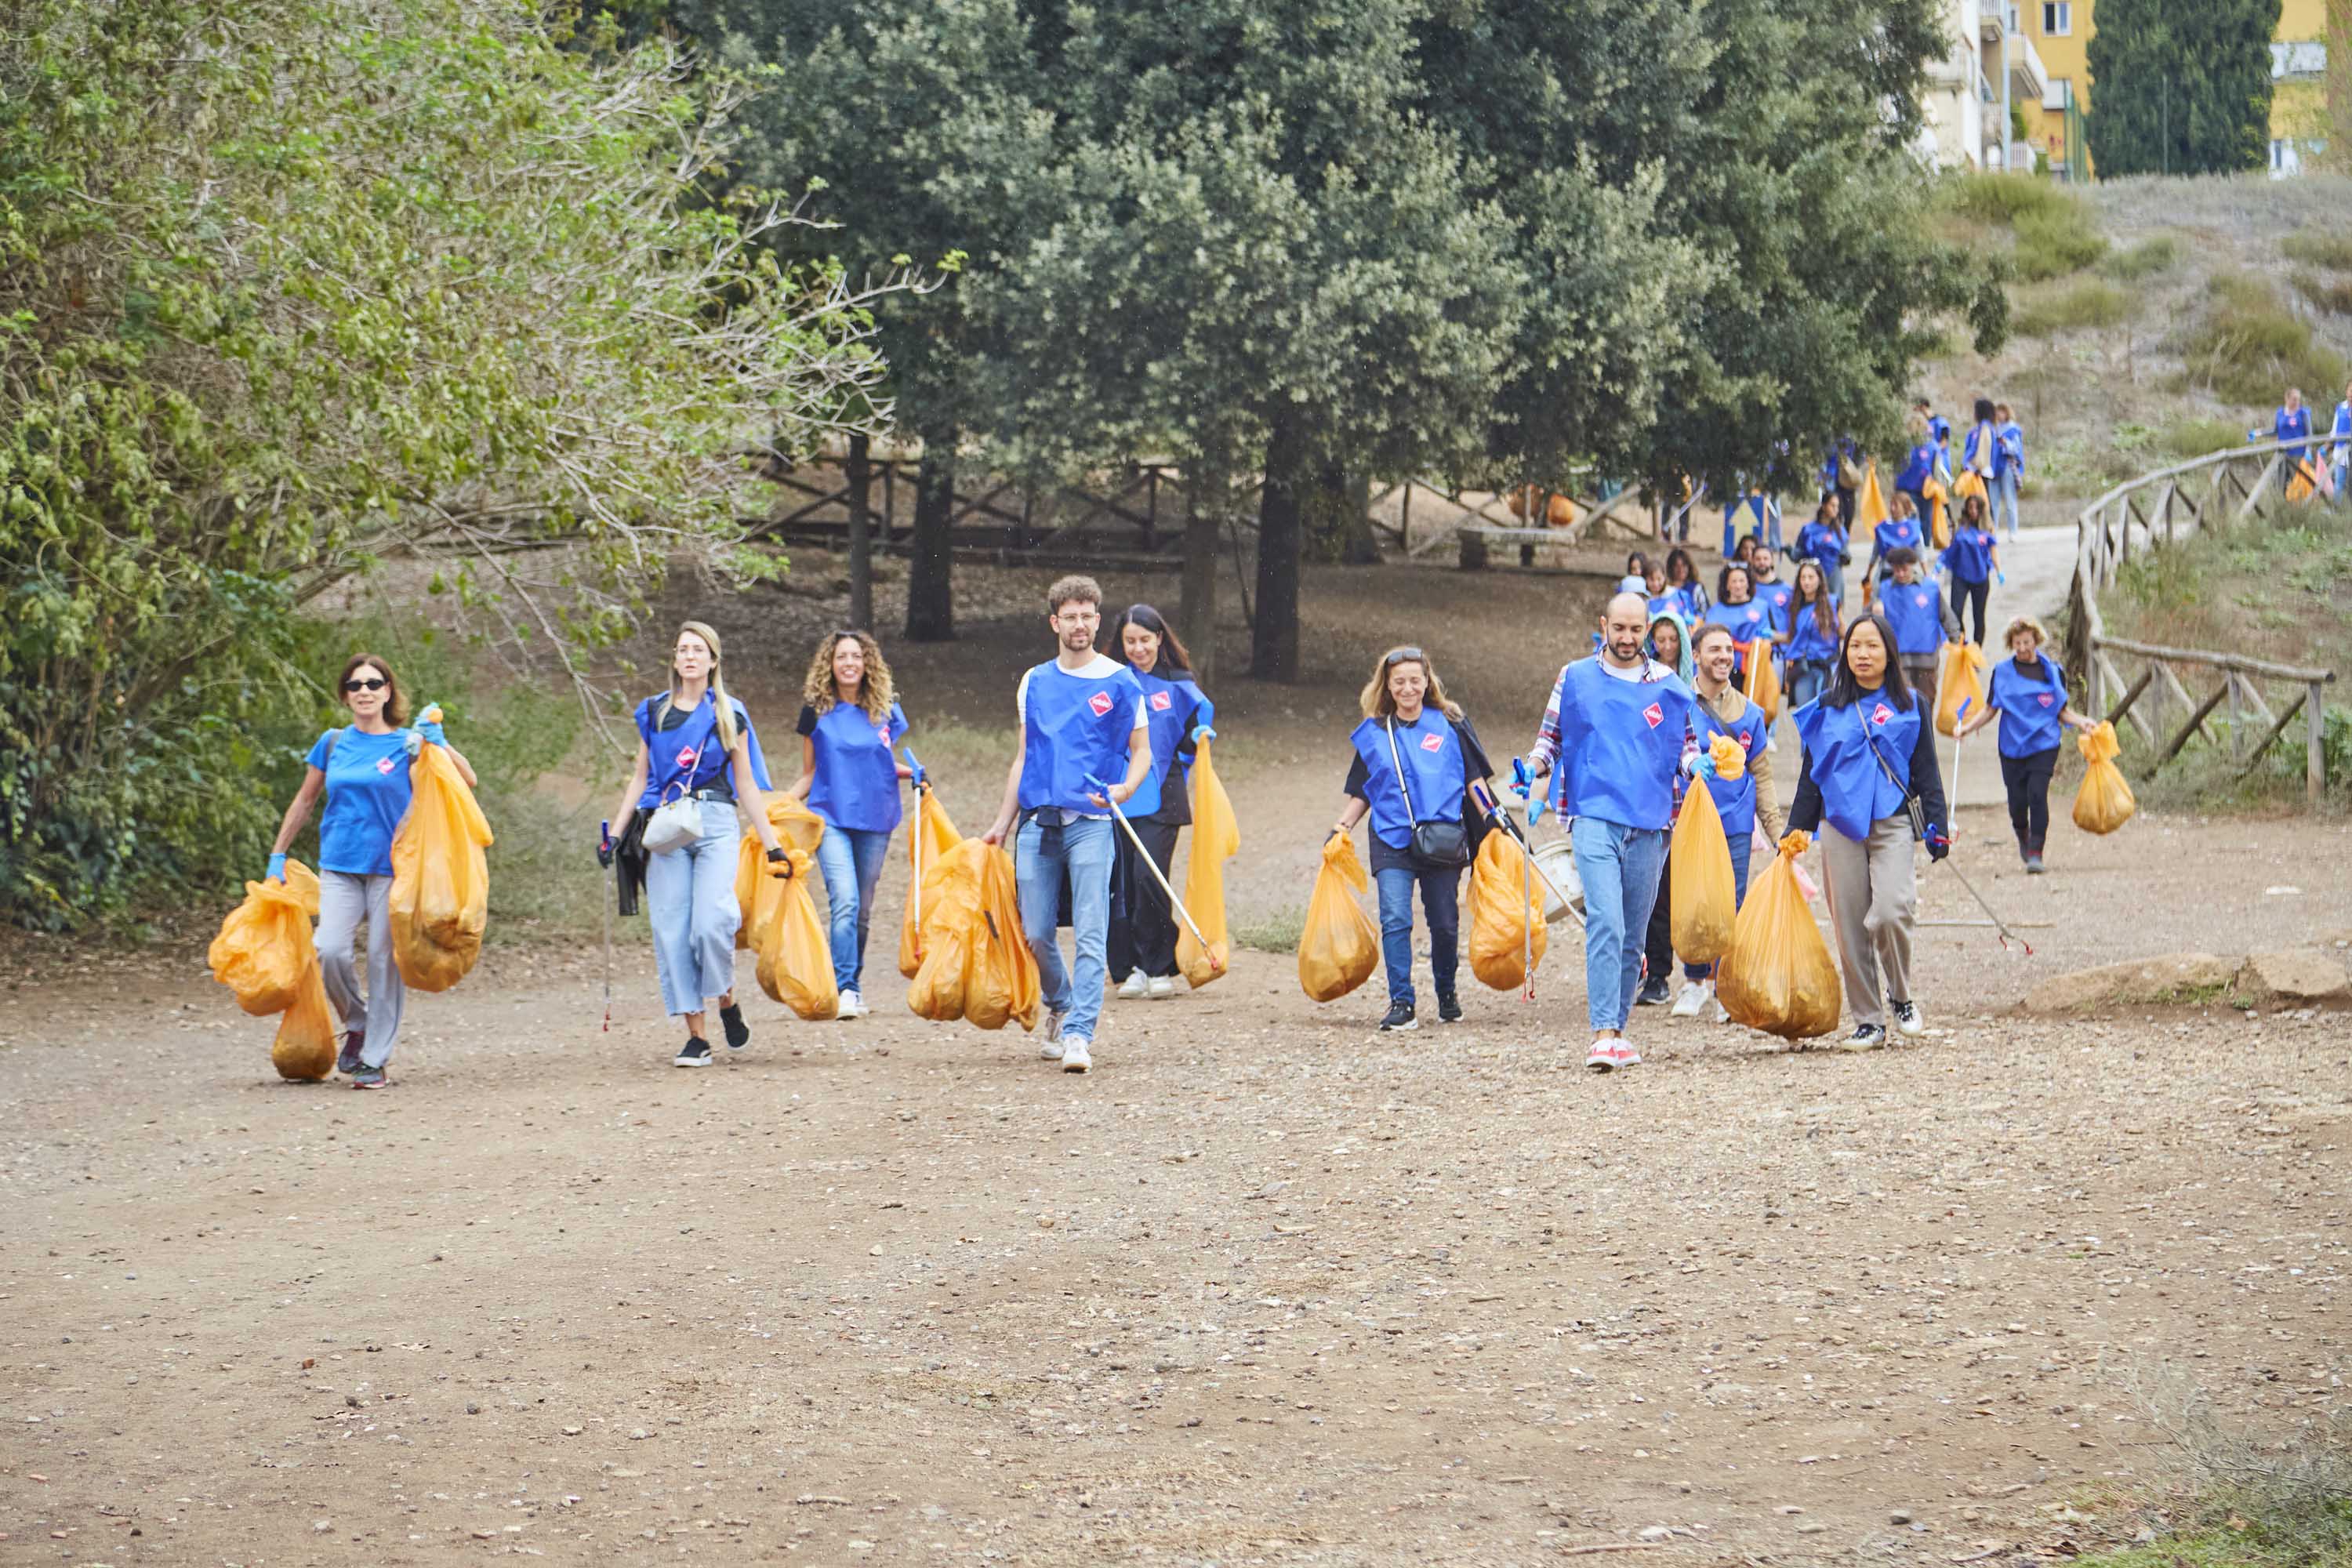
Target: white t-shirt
pixel 1099 668
pixel 1648 669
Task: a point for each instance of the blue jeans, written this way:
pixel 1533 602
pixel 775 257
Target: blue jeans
pixel 851 859
pixel 1082 851
pixel 1440 902
pixel 690 904
pixel 1741 847
pixel 1620 868
pixel 2004 501
pixel 1807 679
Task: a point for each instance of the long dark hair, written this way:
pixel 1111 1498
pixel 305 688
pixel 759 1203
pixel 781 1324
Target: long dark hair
pixel 1723 583
pixel 1825 615
pixel 1173 660
pixel 1844 689
pixel 1984 410
pixel 1972 511
pixel 1678 556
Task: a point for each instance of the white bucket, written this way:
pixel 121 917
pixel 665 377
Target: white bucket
pixel 1556 861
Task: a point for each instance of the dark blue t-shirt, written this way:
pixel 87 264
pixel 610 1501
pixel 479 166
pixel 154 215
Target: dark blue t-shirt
pixel 367 795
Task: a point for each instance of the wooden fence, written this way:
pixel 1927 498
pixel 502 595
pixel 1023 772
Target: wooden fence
pixel 2155 510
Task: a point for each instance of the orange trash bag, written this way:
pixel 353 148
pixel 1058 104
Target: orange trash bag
pixel 929 836
pixel 1870 506
pixel 2103 801
pixel 1216 839
pixel 1702 895
pixel 1340 947
pixel 1001 983
pixel 440 878
pixel 1762 685
pixel 952 900
pixel 264 945
pixel 757 894
pixel 304 1049
pixel 1938 523
pixel 1507 933
pixel 1960 679
pixel 796 959
pixel 1778 976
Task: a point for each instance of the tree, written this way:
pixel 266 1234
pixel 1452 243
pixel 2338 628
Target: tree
pixel 2181 87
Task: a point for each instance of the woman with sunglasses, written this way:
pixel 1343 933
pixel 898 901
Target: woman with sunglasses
pixel 362 769
pixel 1417 758
pixel 1142 937
pixel 850 718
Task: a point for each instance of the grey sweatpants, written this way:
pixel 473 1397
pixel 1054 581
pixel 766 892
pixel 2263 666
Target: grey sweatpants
pixel 1873 890
pixel 343 898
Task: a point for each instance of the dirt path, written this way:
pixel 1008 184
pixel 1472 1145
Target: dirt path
pixel 1265 1288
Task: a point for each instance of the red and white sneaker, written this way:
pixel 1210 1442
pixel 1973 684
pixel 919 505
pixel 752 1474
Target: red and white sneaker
pixel 1608 1055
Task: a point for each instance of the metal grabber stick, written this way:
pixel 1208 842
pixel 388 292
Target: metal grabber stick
pixel 608 881
pixel 1153 867
pixel 922 783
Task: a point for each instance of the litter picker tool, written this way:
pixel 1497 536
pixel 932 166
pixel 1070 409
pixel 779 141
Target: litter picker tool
pixel 1959 717
pixel 606 892
pixel 922 783
pixel 1153 867
pixel 1919 831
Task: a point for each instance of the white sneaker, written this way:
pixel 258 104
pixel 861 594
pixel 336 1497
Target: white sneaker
pixel 851 1005
pixel 1908 1018
pixel 1693 998
pixel 1052 1049
pixel 1722 1013
pixel 1133 986
pixel 1163 987
pixel 1074 1055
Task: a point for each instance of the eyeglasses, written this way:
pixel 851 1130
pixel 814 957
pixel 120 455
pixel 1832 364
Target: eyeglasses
pixel 1403 656
pixel 366 683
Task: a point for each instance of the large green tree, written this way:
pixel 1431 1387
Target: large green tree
pixel 2181 87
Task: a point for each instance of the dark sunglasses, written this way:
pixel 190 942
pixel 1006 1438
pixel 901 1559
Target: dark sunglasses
pixel 365 683
pixel 1404 656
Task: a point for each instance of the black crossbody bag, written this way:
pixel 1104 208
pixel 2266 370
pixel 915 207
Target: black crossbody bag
pixel 1912 804
pixel 1442 844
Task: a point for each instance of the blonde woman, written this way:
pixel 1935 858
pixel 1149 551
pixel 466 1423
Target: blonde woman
pixel 849 720
pixel 696 743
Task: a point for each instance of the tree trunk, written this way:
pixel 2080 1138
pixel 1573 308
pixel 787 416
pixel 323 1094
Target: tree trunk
pixel 1204 518
pixel 1337 517
pixel 931 579
pixel 1273 641
pixel 859 473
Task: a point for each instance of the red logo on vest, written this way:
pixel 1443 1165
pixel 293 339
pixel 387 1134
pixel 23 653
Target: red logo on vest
pixel 1743 739
pixel 686 759
pixel 384 765
pixel 1881 715
pixel 1160 703
pixel 1654 715
pixel 1920 600
pixel 2045 700
pixel 1100 702
pixel 1432 742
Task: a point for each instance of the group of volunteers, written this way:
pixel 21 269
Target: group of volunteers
pixel 2322 459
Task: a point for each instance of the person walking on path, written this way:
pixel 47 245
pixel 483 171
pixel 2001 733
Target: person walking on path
pixel 1870 748
pixel 1683 584
pixel 1814 630
pixel 1722 709
pixel 1763 570
pixel 1824 541
pixel 1977 446
pixel 1141 950
pixel 1670 643
pixel 695 742
pixel 1611 743
pixel 363 770
pixel 1972 560
pixel 2007 469
pixel 1920 463
pixel 1899 532
pixel 849 720
pixel 1739 610
pixel 2340 456
pixel 1417 757
pixel 1082 719
pixel 2027 692
pixel 1921 621
pixel 2291 424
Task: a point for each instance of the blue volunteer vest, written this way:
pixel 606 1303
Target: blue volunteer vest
pixel 1806 639
pixel 1778 595
pixel 1434 774
pixel 1746 623
pixel 1916 613
pixel 1820 543
pixel 1896 534
pixel 1170 709
pixel 1856 791
pixel 1075 727
pixel 855 784
pixel 692 753
pixel 1918 468
pixel 1735 799
pixel 1969 557
pixel 2028 709
pixel 1621 746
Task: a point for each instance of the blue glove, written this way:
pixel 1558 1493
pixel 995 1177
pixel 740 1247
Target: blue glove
pixel 277 867
pixel 1202 733
pixel 2002 576
pixel 1701 765
pixel 1939 843
pixel 431 731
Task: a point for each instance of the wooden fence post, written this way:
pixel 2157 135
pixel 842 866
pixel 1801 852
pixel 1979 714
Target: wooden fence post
pixel 2314 757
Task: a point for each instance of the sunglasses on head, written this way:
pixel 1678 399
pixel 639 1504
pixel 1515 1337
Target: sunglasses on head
pixel 365 683
pixel 1403 656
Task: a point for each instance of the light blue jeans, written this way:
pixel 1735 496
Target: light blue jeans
pixel 2004 502
pixel 851 859
pixel 1081 851
pixel 690 904
pixel 1620 866
pixel 1740 848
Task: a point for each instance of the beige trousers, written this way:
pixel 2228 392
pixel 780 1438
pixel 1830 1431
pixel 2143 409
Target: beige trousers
pixel 1873 891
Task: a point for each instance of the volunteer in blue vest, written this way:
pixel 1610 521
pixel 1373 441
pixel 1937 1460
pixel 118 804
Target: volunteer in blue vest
pixel 1824 540
pixel 850 718
pixel 1977 446
pixel 1921 621
pixel 1841 479
pixel 1083 720
pixel 1814 630
pixel 1899 532
pixel 2007 469
pixel 1682 585
pixel 1611 743
pixel 1870 746
pixel 2291 424
pixel 1721 710
pixel 1142 941
pixel 1764 571
pixel 2029 694
pixel 1670 643
pixel 696 743
pixel 1740 611
pixel 2340 455
pixel 362 769
pixel 1972 561
pixel 1417 755
pixel 1920 463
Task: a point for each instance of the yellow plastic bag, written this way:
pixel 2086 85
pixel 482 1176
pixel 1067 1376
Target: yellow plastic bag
pixel 1938 523
pixel 1340 947
pixel 929 836
pixel 1703 897
pixel 2103 801
pixel 1778 976
pixel 1968 483
pixel 304 1049
pixel 1762 686
pixel 440 878
pixel 1216 839
pixel 1870 506
pixel 1960 679
pixel 264 947
pixel 796 959
pixel 951 903
pixel 758 894
pixel 1507 914
pixel 1001 982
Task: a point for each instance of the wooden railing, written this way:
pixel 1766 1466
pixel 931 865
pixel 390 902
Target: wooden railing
pixel 2219 490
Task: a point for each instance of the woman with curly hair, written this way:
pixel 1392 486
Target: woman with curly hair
pixel 850 718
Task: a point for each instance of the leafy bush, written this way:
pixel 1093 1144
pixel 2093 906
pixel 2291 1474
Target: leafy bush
pixel 2333 251
pixel 2003 198
pixel 2055 240
pixel 2077 306
pixel 2195 437
pixel 2146 259
pixel 2249 347
pixel 2333 295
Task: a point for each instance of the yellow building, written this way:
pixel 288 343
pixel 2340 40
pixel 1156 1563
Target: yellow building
pixel 2058 31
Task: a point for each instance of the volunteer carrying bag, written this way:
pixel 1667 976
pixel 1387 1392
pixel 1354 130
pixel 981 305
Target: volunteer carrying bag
pixel 440 878
pixel 264 945
pixel 1778 976
pixel 1340 947
pixel 2103 801
pixel 1704 900
pixel 1001 983
pixel 1216 839
pixel 758 893
pixel 1507 933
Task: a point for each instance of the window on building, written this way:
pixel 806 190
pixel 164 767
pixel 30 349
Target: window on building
pixel 2058 19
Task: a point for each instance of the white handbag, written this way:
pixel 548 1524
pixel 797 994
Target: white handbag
pixel 675 824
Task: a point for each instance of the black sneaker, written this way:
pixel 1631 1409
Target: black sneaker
pixel 1653 994
pixel 695 1053
pixel 1865 1038
pixel 370 1078
pixel 1449 1007
pixel 1399 1017
pixel 738 1033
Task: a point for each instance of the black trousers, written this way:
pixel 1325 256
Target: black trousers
pixel 1142 925
pixel 2027 780
pixel 1968 596
pixel 1658 942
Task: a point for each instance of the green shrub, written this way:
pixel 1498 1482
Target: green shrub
pixel 2195 437
pixel 2146 259
pixel 2333 295
pixel 2056 240
pixel 2249 347
pixel 2333 251
pixel 1277 932
pixel 2003 198
pixel 2079 306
